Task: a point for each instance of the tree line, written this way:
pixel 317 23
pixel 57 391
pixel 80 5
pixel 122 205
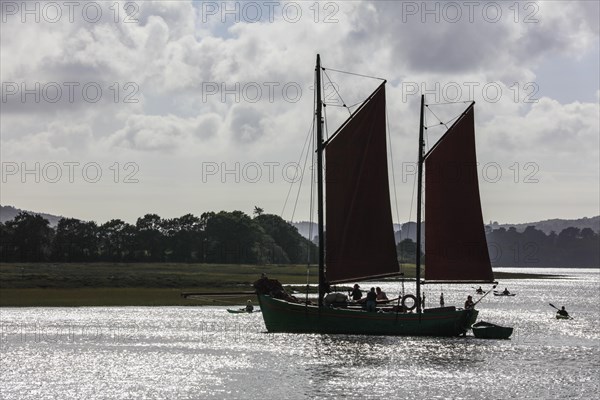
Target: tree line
pixel 224 237
pixel 236 238
pixel 572 247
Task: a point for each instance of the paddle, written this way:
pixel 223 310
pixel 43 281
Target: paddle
pixel 553 306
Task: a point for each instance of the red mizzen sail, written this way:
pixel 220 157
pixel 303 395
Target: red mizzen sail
pixel 455 244
pixel 359 235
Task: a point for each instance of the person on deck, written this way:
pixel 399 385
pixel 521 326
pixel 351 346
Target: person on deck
pixel 372 300
pixel 506 292
pixel 356 293
pixel 380 294
pixel 249 306
pixel 469 305
pixel 563 312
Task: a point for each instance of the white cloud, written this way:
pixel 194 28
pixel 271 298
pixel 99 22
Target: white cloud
pixel 164 133
pixel 176 49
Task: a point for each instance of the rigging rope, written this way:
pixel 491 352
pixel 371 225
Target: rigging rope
pixel 300 184
pixel 354 73
pixel 336 92
pixel 311 213
pixel 451 102
pixel 392 165
pixel 325 120
pixel 438 118
pixel 306 141
pixel 394 185
pixel 412 198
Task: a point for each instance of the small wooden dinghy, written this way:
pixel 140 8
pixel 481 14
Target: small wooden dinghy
pixel 486 330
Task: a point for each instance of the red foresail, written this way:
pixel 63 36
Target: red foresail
pixel 455 244
pixel 359 231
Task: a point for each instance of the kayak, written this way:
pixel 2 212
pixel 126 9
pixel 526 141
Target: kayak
pixel 486 330
pixel 558 316
pixel 503 294
pixel 241 311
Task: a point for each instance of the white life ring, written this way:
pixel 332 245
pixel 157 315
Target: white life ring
pixel 409 296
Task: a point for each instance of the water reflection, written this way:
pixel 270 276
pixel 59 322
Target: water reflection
pixel 204 353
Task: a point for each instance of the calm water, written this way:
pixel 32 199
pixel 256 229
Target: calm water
pixel 205 353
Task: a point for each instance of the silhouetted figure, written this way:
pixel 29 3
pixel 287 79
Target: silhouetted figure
pixel 442 300
pixel 356 293
pixel 372 300
pixel 563 312
pixel 469 305
pixel 380 294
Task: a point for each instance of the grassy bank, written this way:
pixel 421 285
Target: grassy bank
pixel 135 284
pixel 146 284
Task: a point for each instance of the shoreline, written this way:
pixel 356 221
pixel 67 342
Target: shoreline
pixel 153 285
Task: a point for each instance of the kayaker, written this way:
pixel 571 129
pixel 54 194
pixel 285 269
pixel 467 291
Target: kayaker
pixel 479 290
pixel 469 305
pixel 506 292
pixel 380 294
pixel 249 306
pixel 356 293
pixel 372 300
pixel 563 312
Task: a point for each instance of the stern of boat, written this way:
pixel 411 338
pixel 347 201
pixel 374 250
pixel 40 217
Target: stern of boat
pixel 470 318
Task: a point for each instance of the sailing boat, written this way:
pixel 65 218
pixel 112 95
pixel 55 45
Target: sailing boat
pixel 360 237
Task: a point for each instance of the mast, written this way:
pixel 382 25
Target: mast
pixel 419 194
pixel 320 203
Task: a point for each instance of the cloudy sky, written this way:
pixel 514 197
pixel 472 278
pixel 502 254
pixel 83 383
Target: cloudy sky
pixel 114 110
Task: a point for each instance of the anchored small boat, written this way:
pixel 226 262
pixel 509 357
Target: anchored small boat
pixel 486 330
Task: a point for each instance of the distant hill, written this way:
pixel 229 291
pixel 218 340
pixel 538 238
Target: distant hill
pixel 305 227
pixel 556 225
pixel 9 212
pixel 408 229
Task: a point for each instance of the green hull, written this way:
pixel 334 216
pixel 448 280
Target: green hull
pixel 282 316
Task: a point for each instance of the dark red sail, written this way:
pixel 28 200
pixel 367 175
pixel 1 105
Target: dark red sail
pixel 455 244
pixel 359 232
